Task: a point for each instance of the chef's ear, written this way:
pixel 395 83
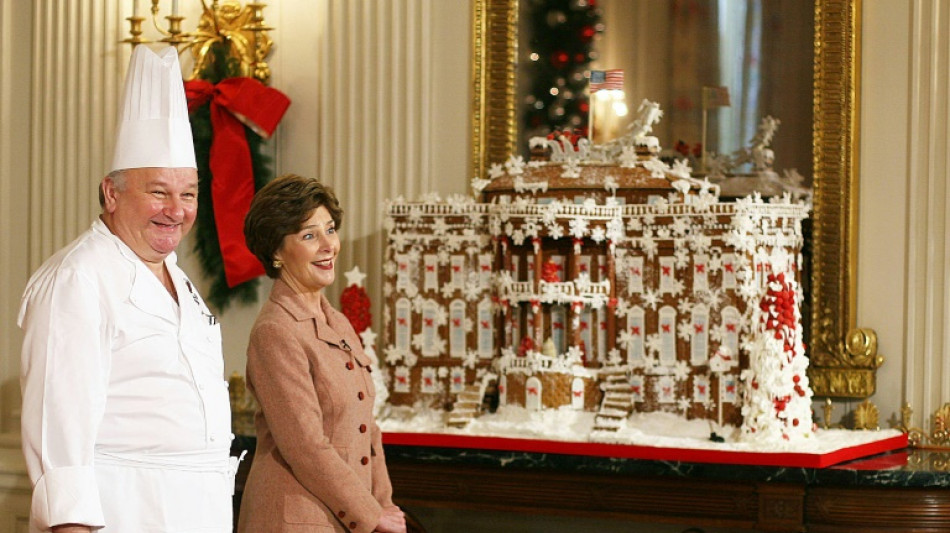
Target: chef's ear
pixel 109 190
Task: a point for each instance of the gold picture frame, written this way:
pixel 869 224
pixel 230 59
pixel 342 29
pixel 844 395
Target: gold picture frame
pixel 843 358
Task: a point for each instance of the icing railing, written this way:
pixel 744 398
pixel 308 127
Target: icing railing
pixel 560 292
pixel 758 209
pixel 438 209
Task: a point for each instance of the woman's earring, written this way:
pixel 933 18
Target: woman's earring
pixel 277 263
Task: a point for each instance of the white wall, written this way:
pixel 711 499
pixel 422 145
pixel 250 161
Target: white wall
pixel 882 214
pixel 380 94
pixel 903 253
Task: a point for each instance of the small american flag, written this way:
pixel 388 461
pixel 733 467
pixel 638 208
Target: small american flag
pixel 606 79
pixel 715 97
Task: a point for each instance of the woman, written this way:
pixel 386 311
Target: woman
pixel 319 464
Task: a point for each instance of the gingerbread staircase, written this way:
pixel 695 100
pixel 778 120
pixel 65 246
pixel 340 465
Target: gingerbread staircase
pixel 617 403
pixel 468 404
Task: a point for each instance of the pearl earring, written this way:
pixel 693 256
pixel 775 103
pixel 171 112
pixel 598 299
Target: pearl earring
pixel 277 263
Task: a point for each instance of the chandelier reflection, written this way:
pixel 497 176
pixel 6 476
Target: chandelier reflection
pixel 242 27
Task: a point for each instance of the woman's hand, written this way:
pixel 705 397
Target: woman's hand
pixel 392 521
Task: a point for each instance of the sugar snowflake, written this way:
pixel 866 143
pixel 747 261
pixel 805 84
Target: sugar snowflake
pixel 628 157
pixel 615 229
pixel 444 257
pixel 517 236
pixel 651 298
pixel 515 165
pixel 598 234
pixel 571 169
pixel 578 227
pixel 681 370
pixel 684 404
pixel 478 184
pixel 447 290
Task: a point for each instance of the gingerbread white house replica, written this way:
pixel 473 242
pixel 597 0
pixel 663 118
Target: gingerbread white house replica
pixel 598 283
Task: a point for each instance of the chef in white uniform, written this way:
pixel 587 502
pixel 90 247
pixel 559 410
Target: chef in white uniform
pixel 126 419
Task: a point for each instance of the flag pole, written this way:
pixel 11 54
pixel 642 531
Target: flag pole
pixel 712 97
pixel 590 118
pixel 705 114
pixel 705 97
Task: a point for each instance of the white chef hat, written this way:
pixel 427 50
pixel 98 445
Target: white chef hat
pixel 153 129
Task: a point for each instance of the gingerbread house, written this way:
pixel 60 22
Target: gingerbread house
pixel 613 285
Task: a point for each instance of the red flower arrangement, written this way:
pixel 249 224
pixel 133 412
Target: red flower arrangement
pixel 355 305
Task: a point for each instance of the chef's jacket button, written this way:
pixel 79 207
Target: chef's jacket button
pixel 364 461
pixel 341 514
pixel 360 395
pixel 362 428
pixel 349 365
pixel 201 386
pixel 211 438
pixel 352 525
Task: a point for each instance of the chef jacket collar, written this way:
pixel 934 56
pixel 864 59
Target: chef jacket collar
pixel 144 294
pixel 335 330
pixel 100 227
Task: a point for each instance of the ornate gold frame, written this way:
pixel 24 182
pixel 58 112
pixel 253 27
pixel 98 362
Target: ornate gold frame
pixel 844 360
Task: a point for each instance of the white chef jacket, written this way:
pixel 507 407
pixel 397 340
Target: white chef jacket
pixel 126 419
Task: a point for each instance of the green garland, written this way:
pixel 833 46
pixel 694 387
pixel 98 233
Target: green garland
pixel 561 36
pixel 222 66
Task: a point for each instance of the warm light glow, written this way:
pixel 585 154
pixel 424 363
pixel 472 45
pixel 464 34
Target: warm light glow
pixel 610 94
pixel 620 108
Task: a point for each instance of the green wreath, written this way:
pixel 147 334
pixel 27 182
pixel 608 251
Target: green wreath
pixel 221 66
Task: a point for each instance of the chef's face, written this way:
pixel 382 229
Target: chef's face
pixel 309 256
pixel 151 209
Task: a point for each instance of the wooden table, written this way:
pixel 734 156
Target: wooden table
pixel 907 490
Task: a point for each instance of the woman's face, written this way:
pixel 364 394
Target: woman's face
pixel 309 256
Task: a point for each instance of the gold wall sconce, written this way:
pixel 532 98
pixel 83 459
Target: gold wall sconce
pixel 241 26
pixel 938 438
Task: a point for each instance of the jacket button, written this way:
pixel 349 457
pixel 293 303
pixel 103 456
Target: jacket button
pixel 360 395
pixel 341 514
pixel 349 365
pixel 362 428
pixel 364 461
pixel 352 525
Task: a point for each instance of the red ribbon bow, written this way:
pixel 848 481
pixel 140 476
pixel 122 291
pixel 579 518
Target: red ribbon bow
pixel 235 102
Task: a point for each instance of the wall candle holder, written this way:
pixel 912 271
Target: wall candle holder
pixel 242 26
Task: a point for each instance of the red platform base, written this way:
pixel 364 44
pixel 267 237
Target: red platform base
pixel 822 459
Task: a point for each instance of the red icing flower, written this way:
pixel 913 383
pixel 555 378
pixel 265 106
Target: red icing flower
pixel 355 304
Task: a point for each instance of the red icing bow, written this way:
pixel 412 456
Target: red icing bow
pixel 235 102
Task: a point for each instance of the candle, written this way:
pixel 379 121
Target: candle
pixel 174 7
pixel 135 8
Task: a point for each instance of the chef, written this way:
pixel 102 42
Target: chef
pixel 126 420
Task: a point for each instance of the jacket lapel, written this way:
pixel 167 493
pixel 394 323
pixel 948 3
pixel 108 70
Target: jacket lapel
pixel 336 331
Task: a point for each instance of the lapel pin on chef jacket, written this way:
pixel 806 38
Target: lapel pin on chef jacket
pixel 212 320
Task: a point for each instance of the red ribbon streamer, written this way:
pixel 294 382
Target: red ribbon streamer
pixel 235 102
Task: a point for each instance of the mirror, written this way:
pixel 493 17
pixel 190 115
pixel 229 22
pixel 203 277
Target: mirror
pixel 760 52
pixel 843 358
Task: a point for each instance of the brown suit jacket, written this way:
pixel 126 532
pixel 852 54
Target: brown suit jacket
pixel 319 463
